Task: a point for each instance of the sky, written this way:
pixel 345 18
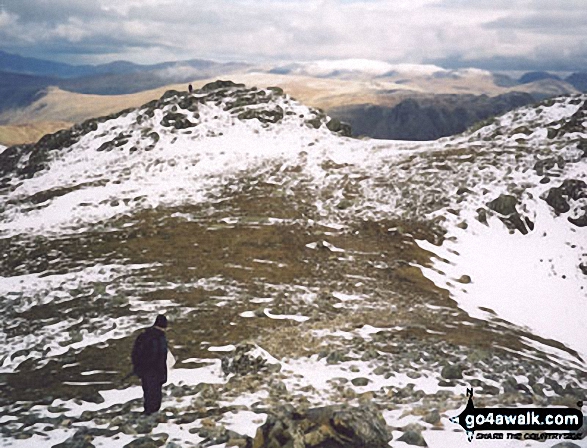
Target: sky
pixel 488 34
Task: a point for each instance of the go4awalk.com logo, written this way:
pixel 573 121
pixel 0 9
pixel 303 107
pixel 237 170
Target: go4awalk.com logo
pixel 519 419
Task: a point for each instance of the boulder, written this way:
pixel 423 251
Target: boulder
pixel 580 221
pixel 246 359
pixel 144 442
pixel 558 197
pixel 336 126
pixel 505 205
pixel 84 436
pixel 267 115
pixel 413 438
pixel 432 417
pixel 340 426
pixel 452 372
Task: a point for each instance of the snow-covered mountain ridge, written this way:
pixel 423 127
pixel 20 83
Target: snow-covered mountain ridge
pixel 117 157
pixel 248 220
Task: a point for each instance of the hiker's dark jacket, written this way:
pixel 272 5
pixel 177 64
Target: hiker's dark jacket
pixel 152 359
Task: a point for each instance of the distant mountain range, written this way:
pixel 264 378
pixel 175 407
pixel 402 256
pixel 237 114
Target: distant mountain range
pixel 378 99
pixel 21 78
pixel 40 67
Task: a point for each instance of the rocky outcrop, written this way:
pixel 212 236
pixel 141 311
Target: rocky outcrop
pixel 505 205
pixel 246 359
pixel 325 427
pixel 180 111
pixel 570 190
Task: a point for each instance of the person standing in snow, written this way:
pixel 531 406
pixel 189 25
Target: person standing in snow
pixel 190 88
pixel 149 359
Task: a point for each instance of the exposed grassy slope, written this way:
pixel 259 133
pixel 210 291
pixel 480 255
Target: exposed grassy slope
pixel 29 133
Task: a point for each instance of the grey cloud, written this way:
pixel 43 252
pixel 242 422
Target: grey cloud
pixel 490 33
pixel 55 11
pixel 558 22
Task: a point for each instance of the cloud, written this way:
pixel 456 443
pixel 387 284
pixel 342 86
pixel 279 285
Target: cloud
pixel 399 31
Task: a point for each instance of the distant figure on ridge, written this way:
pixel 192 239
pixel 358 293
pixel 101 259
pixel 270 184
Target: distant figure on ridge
pixel 190 88
pixel 149 361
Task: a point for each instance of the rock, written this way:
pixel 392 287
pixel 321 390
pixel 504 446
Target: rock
pixel 244 361
pixel 482 216
pixel 176 120
pixel 510 386
pixel 505 204
pixel 380 370
pixel 144 442
pixel 412 437
pixel 465 279
pixel 554 385
pixel 343 129
pixel 490 390
pixel 360 381
pixel 581 221
pixel 463 190
pixel 240 443
pixel 433 417
pixel 173 445
pixel 267 115
pixel 452 372
pixel 336 357
pixel 83 438
pixel 558 197
pixel 330 426
pixel 566 445
pixel 219 84
pixel 146 425
pixel 314 122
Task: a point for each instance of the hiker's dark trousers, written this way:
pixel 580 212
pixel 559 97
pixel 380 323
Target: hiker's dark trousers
pixel 152 393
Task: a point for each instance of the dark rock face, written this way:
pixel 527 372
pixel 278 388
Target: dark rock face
pixel 325 427
pixel 427 118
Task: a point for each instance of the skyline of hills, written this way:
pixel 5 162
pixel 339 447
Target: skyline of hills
pixel 378 99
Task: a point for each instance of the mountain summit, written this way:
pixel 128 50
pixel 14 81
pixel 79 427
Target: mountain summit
pixel 117 158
